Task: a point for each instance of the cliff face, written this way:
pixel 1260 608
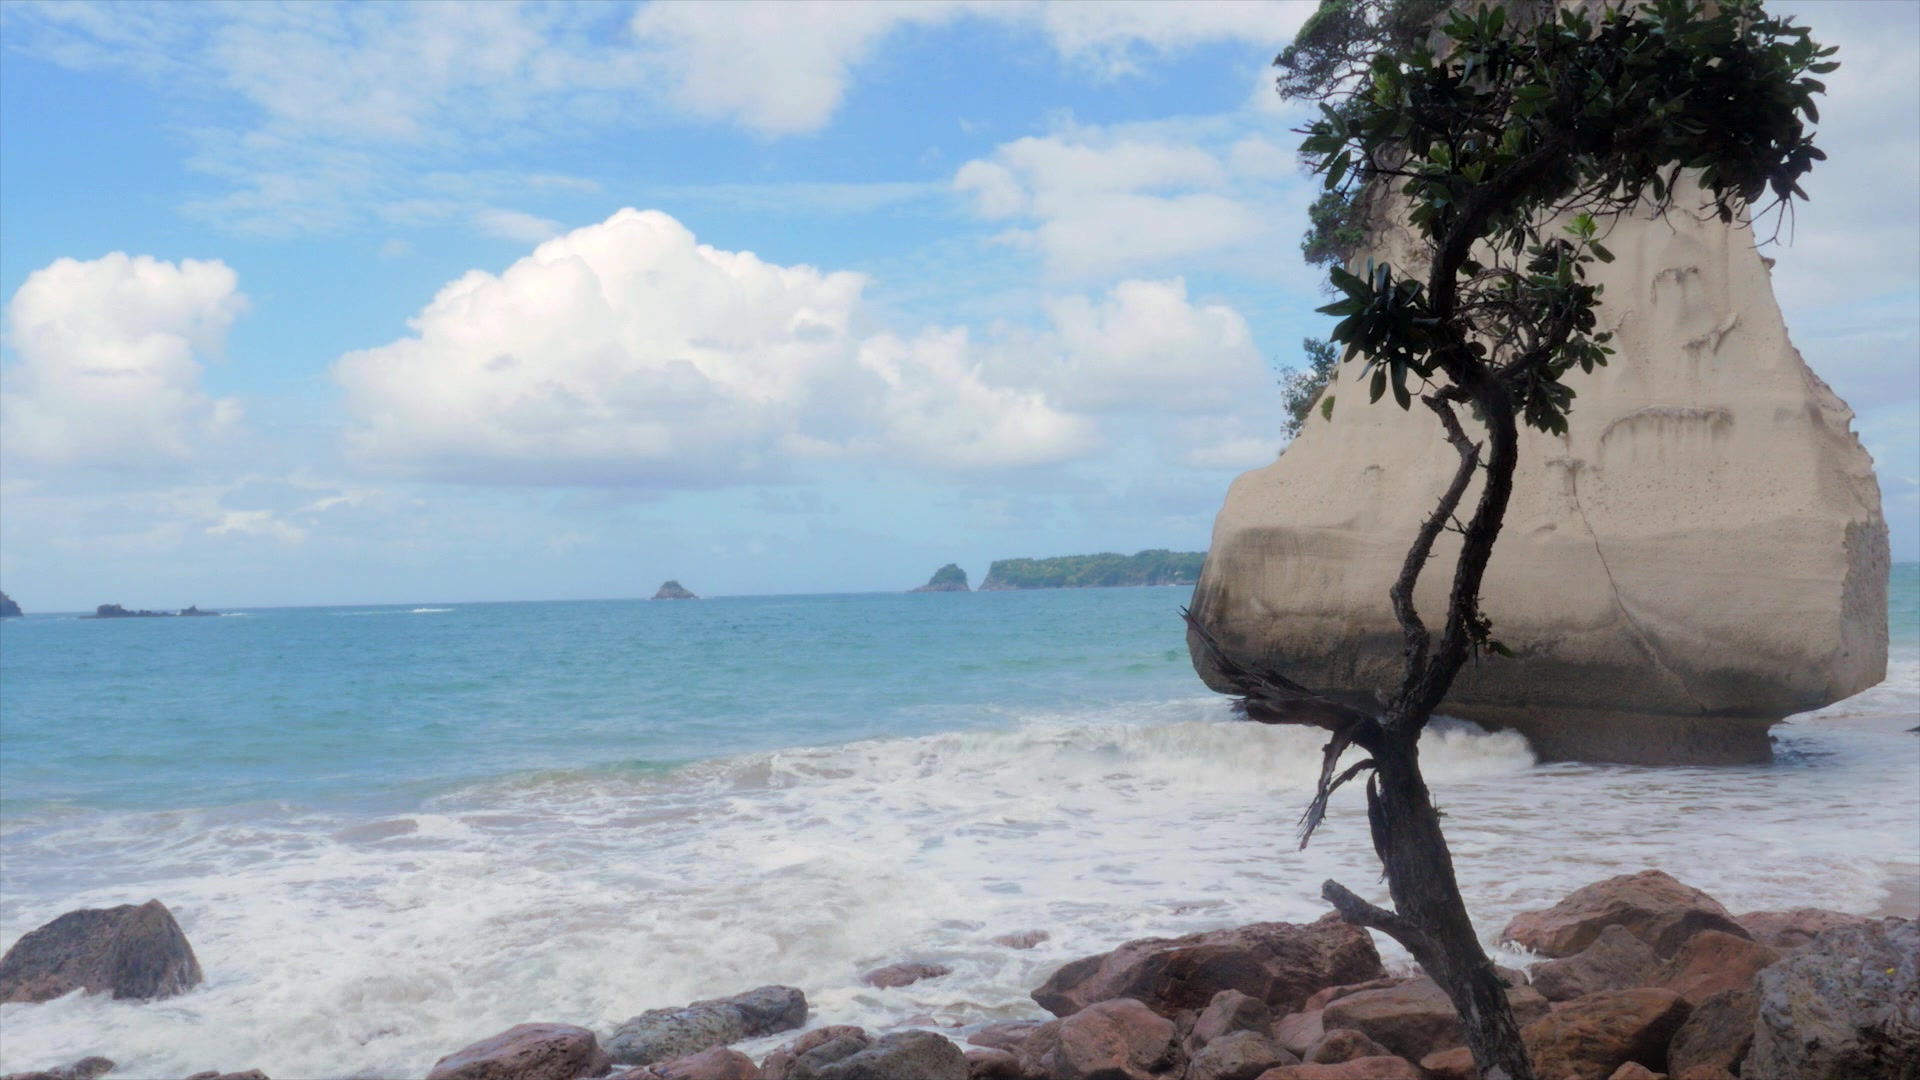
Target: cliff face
pixel 1701 555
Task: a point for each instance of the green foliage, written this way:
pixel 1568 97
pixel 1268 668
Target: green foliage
pixel 1301 387
pixel 1336 228
pixel 948 575
pixel 1513 127
pixel 1339 39
pixel 1154 567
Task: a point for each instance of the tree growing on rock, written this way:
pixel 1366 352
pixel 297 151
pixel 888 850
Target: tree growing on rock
pixel 1505 144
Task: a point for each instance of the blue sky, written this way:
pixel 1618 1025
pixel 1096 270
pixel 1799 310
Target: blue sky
pixel 855 289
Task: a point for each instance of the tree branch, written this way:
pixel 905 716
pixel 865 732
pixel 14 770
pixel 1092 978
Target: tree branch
pixel 1412 629
pixel 1362 913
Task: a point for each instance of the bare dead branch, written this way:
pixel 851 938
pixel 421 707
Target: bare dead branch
pixel 1374 917
pixel 1317 810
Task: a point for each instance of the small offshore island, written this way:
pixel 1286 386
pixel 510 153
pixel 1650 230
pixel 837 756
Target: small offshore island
pixel 115 611
pixel 9 609
pixel 949 578
pixel 673 590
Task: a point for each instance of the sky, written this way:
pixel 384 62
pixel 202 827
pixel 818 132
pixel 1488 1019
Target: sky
pixel 389 303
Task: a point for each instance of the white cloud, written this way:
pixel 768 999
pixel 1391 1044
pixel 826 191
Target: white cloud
pixel 627 354
pixel 1103 202
pixel 1112 35
pixel 262 523
pixel 515 225
pixel 108 369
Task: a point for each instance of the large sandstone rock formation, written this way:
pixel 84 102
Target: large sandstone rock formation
pixel 1700 556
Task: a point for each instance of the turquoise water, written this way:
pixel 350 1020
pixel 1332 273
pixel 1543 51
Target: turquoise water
pixel 384 705
pixel 391 831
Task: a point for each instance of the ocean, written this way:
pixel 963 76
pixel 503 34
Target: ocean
pixel 390 831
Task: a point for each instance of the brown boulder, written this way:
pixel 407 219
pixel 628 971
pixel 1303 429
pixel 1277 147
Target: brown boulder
pixel 780 1062
pixel 1024 939
pixel 1454 1064
pixel 1615 961
pixel 1718 1033
pixel 1120 1039
pixel 85 1069
pixel 897 975
pixel 985 1064
pixel 1327 995
pixel 667 1034
pixel 1298 1032
pixel 1652 906
pixel 215 1074
pixel 1704 1072
pixel 1010 1035
pixel 132 952
pixel 1588 1038
pixel 1228 1012
pixel 1238 1055
pixel 1792 929
pixel 1344 1044
pixel 1712 961
pixel 1416 1018
pixel 1281 964
pixel 1846 1006
pixel 718 1063
pixel 526 1052
pixel 1369 1068
pixel 900 1055
pixel 1633 1070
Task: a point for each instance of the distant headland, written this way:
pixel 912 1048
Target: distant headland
pixel 115 611
pixel 673 590
pixel 9 609
pixel 1107 569
pixel 949 578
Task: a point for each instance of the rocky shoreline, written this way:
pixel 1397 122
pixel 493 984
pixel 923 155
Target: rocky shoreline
pixel 1640 977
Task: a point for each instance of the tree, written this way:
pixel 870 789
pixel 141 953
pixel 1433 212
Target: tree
pixel 1301 387
pixel 1508 151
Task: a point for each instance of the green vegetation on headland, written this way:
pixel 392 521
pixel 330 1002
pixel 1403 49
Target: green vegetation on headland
pixel 1156 567
pixel 949 578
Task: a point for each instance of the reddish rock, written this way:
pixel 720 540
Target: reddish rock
pixel 1025 939
pixel 1704 1072
pixel 1792 929
pixel 1344 1044
pixel 1416 1018
pixel 897 975
pixel 1229 1011
pixel 1120 1039
pixel 1327 995
pixel 1844 1007
pixel 1298 1032
pixel 1588 1038
pixel 85 1069
pixel 779 1063
pixel 1717 1033
pixel 1369 1068
pixel 527 1052
pixel 985 1064
pixel 135 952
pixel 718 1063
pixel 1654 907
pixel 1712 961
pixel 1615 961
pixel 1454 1064
pixel 900 1055
pixel 215 1074
pixel 1007 1036
pixel 1036 1051
pixel 1281 964
pixel 1238 1055
pixel 1633 1070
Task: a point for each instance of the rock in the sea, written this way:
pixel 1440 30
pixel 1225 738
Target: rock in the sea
pixel 1711 961
pixel 673 590
pixel 902 1055
pixel 1416 1018
pixel 1792 929
pixel 250 1074
pixel 666 1034
pixel 1590 1037
pixel 1024 939
pixel 949 578
pixel 780 1062
pixel 85 1069
pixel 1615 961
pixel 1717 1034
pixel 1280 964
pixel 1238 1055
pixel 9 609
pixel 1846 1005
pixel 897 975
pixel 718 1063
pixel 1117 1039
pixel 1702 555
pixel 130 951
pixel 1367 1068
pixel 1652 906
pixel 526 1052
